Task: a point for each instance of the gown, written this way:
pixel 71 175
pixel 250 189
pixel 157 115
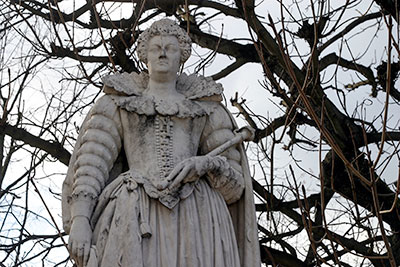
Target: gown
pixel 127 146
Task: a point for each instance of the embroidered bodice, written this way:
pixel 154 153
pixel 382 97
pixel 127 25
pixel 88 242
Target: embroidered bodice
pixel 155 144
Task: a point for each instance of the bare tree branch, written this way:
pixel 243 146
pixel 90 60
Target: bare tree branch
pixel 55 149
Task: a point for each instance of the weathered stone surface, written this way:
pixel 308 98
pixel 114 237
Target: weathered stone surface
pixel 149 184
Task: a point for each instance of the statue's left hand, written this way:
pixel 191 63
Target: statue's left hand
pixel 188 170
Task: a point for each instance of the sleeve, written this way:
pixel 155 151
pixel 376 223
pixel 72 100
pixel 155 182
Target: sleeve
pixel 97 149
pixel 227 174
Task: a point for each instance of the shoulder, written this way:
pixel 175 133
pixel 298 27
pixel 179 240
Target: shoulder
pixel 125 84
pixel 221 116
pixel 197 87
pixel 104 105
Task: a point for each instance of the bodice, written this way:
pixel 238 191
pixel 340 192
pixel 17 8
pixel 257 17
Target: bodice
pixel 155 144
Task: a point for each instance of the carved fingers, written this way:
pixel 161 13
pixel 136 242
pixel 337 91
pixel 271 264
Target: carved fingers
pixel 189 170
pixel 79 241
pixel 184 169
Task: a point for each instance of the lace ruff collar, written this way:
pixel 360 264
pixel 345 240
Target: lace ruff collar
pixel 126 89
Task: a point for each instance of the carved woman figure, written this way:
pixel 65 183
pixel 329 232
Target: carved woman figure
pixel 142 188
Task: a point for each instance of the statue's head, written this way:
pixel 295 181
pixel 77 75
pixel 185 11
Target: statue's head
pixel 164 27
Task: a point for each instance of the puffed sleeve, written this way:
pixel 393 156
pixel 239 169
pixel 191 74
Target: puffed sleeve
pixel 228 180
pixel 99 146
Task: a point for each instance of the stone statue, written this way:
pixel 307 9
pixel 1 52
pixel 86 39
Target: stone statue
pixel 156 179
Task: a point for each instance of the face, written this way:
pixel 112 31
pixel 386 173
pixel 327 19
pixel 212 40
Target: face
pixel 163 55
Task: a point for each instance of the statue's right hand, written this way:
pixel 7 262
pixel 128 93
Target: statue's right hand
pixel 80 240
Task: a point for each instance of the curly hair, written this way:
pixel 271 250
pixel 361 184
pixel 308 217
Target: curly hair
pixel 164 27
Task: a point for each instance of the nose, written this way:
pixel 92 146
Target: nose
pixel 163 52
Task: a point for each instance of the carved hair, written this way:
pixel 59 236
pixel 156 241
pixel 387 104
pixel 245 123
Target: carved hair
pixel 164 27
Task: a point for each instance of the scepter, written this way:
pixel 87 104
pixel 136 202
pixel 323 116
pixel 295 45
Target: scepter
pixel 243 134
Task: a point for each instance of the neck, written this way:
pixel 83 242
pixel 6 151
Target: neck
pixel 164 88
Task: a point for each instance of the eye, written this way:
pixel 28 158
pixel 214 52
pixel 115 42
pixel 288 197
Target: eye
pixel 172 48
pixel 154 48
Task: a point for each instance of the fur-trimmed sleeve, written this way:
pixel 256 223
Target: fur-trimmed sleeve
pixel 218 130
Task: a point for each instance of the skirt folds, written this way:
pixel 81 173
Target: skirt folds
pixel 197 232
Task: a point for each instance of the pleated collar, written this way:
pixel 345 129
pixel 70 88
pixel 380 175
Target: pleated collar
pixel 128 92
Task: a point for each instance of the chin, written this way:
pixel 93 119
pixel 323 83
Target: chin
pixel 163 71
